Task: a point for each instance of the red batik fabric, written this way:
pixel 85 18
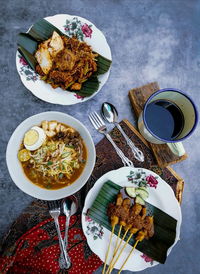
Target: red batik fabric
pixel 37 251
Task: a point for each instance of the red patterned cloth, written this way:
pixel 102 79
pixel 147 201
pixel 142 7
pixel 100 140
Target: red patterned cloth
pixel 37 251
pixel 23 252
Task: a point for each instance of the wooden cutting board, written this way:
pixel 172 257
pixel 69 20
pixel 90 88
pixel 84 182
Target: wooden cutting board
pixel 138 97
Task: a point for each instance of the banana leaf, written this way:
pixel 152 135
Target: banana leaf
pixel 43 30
pixel 164 225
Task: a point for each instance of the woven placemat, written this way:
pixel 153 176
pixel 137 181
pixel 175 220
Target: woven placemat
pixel 107 160
pixel 138 97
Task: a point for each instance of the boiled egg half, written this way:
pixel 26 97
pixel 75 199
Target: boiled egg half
pixel 34 138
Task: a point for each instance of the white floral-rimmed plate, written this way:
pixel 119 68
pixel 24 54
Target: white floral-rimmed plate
pixel 16 171
pixel 160 195
pixel 85 31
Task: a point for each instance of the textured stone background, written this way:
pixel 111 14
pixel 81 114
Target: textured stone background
pixel 150 41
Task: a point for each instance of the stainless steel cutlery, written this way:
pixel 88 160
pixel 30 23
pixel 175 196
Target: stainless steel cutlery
pixel 54 211
pixel 100 126
pixel 110 114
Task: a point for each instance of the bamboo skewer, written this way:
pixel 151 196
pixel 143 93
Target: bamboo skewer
pixel 121 241
pixel 108 250
pixel 133 226
pixel 126 205
pixel 133 248
pixel 118 236
pixel 114 221
pixel 141 235
pixel 116 250
pixel 133 231
pixel 127 241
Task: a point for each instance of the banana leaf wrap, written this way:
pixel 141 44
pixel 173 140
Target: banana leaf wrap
pixel 164 225
pixel 43 30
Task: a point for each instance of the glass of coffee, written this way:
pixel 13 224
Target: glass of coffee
pixel 169 116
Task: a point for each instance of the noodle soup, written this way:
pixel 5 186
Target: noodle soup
pixel 53 155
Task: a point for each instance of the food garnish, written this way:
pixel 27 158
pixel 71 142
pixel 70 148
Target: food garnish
pixel 24 155
pixel 53 155
pixel 140 193
pixel 131 191
pixel 34 138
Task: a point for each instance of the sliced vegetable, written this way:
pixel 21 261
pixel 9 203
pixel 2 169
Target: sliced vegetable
pixel 142 192
pixel 139 200
pixel 24 155
pixel 131 191
pixel 69 146
pixel 60 175
pixel 143 187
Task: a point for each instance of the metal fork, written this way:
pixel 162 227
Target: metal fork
pixel 101 127
pixel 54 211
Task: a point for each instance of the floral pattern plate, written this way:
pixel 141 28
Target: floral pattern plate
pixel 85 31
pixel 160 195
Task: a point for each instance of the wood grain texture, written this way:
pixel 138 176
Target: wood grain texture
pixel 138 97
pixel 180 182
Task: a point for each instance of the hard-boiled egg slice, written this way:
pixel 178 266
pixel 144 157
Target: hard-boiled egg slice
pixel 34 138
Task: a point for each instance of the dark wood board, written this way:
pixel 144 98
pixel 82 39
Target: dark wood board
pixel 138 97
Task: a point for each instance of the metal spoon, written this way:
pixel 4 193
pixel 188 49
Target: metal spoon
pixel 110 114
pixel 69 206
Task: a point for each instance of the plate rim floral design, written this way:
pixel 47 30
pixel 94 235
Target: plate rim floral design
pixel 43 90
pixel 162 196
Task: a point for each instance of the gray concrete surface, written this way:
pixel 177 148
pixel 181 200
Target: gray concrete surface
pixel 150 40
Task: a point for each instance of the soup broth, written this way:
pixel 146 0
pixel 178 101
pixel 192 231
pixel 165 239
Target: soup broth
pixel 59 161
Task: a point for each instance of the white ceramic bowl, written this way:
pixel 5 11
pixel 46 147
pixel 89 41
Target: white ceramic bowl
pixel 15 168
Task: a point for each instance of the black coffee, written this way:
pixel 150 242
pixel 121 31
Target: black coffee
pixel 164 119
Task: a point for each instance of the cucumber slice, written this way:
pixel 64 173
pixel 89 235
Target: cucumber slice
pixel 139 200
pixel 144 188
pixel 142 192
pixel 131 192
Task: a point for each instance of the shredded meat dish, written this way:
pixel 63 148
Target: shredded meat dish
pixel 69 67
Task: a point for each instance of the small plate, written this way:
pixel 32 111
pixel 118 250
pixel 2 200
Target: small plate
pixel 15 168
pixel 160 195
pixel 91 35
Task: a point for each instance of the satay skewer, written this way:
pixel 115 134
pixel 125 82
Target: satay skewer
pixel 119 202
pixel 114 221
pixel 127 228
pixel 141 235
pixel 135 211
pixel 118 237
pixel 132 231
pixel 126 206
pixel 116 250
pixel 133 248
pixel 133 219
pixel 125 203
pixel 146 232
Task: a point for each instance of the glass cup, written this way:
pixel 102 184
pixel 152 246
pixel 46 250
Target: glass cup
pixel 190 118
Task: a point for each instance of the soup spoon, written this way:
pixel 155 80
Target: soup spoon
pixel 110 114
pixel 69 206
